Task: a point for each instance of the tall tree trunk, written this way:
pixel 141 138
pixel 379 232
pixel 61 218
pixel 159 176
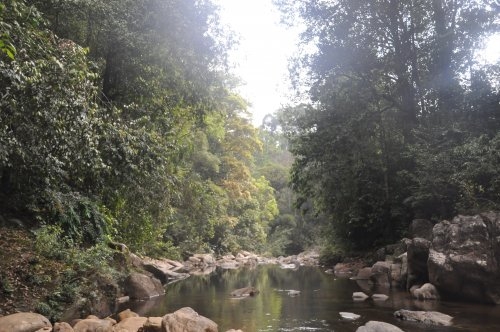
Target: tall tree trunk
pixel 442 61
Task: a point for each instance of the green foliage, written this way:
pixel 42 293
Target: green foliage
pixel 331 254
pixel 50 242
pixel 393 125
pixel 5 285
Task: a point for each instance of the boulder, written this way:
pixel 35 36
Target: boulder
pixel 135 260
pixel 130 324
pixel 363 274
pixel 380 297
pixel 126 314
pixel 206 259
pixel 381 274
pixel 347 269
pixel 349 315
pixel 186 319
pixel 153 324
pixel 425 317
pixel 309 258
pixel 421 228
pixel 359 296
pixel 24 322
pixel 390 251
pixel 399 277
pixel 374 326
pixel 159 268
pixel 417 255
pixel 425 292
pixel 140 286
pixel 62 327
pixel 93 325
pixel 464 258
pixel 102 301
pixel 175 264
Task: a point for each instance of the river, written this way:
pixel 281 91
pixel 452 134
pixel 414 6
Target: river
pixel 322 297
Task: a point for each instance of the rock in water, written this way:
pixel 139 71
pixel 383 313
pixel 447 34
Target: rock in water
pixel 380 297
pixel 426 292
pixel 425 317
pixel 140 286
pixel 349 315
pixel 246 291
pixel 186 319
pixel 374 326
pixel 417 256
pixel 359 296
pixel 464 258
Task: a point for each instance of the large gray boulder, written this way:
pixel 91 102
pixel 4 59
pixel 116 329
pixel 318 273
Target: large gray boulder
pixel 381 274
pixel 417 256
pixel 374 326
pixel 139 286
pixel 186 319
pixel 24 322
pixel 464 258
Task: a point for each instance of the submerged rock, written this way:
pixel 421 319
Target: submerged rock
pixel 246 291
pixel 425 317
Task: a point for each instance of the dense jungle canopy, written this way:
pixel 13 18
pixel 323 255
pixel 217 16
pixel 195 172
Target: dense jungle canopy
pixel 403 120
pixel 119 122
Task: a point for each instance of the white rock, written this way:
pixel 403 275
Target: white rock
pixel 349 315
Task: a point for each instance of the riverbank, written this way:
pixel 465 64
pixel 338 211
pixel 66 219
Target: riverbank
pixel 38 275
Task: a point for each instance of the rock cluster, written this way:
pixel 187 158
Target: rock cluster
pixel 457 259
pixel 184 319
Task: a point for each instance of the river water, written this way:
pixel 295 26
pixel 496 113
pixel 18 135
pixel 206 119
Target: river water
pixel 322 297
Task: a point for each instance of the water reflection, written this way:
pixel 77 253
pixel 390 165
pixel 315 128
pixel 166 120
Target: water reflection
pixel 316 308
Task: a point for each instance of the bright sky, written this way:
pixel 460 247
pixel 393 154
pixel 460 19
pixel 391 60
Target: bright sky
pixel 261 57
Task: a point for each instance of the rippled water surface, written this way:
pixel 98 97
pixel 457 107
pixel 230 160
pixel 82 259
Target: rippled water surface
pixel 322 297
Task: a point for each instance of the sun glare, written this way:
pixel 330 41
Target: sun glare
pixel 491 51
pixel 261 59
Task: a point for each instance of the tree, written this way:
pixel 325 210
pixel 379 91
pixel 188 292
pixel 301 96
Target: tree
pixel 118 122
pixel 388 96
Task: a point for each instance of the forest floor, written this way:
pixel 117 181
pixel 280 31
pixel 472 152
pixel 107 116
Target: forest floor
pixel 25 276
